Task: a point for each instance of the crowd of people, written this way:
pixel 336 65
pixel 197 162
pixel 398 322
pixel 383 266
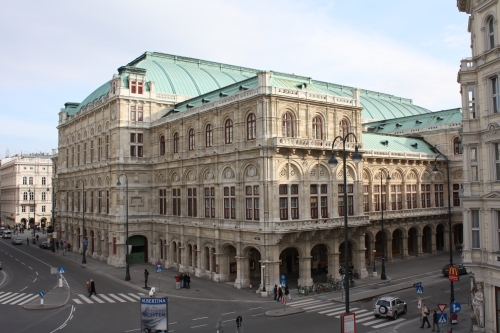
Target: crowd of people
pixel 182 281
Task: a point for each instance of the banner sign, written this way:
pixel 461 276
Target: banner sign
pixel 453 273
pixel 154 314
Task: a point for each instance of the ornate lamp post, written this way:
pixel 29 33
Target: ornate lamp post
pixel 333 162
pixel 127 271
pixel 84 260
pixel 435 170
pixel 383 276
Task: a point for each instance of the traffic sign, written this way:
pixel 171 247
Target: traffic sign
pixel 159 268
pixel 453 273
pixel 41 293
pixel 85 241
pixel 419 289
pixel 61 270
pixel 442 318
pixel 441 307
pixel 454 318
pixel 417 284
pixel 348 323
pixel 455 307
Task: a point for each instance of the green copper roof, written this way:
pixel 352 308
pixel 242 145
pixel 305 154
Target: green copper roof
pixel 413 122
pixel 375 141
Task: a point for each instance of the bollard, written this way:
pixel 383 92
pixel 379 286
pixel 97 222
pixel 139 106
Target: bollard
pixel 60 283
pixel 41 301
pixel 250 285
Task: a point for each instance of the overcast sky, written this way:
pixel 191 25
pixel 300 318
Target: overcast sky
pixel 60 51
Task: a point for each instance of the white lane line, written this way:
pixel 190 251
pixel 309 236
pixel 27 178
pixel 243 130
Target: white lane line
pixel 1 292
pixel 85 298
pixel 197 326
pixel 128 298
pixel 134 296
pixel 260 307
pixel 375 322
pixel 172 323
pixel 10 299
pixel 20 299
pixel 77 301
pixel 389 323
pixel 5 296
pixel 69 318
pixel 368 313
pixel 258 314
pixel 137 329
pixel 107 299
pixel 338 312
pixel 34 280
pixel 337 308
pixel 317 306
pixel 228 313
pixel 305 303
pixel 36 273
pixel 225 321
pixel 117 298
pixel 364 319
pixel 95 298
pixel 28 300
pixel 23 263
pixel 449 290
pixel 141 294
pixel 30 267
pixel 199 318
pixel 23 288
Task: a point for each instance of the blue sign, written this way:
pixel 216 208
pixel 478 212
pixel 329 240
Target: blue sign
pixel 158 268
pixel 61 270
pixel 419 289
pixel 41 293
pixel 455 307
pixel 283 280
pixel 442 318
pixel 85 242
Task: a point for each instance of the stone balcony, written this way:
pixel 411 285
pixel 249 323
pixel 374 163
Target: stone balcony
pixel 405 213
pixel 467 65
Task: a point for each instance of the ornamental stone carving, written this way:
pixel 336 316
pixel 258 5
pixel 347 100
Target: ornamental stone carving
pixel 283 173
pixel 251 171
pixel 191 176
pixel 228 173
pixel 176 177
pixel 426 176
pixel 209 175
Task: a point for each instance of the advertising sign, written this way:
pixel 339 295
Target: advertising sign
pixel 154 314
pixel 453 273
pixel 348 323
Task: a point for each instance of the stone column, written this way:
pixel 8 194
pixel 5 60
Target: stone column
pixel 242 273
pixel 372 254
pixel 183 263
pixel 200 264
pixel 334 258
pixel 305 278
pixel 388 252
pixel 433 241
pixel 360 256
pixel 168 256
pixel 404 249
pixel 420 251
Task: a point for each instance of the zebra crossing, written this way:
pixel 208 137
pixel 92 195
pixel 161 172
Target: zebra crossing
pixel 12 298
pixel 16 298
pixel 331 309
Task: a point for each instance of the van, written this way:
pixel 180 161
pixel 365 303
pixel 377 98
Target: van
pixel 6 234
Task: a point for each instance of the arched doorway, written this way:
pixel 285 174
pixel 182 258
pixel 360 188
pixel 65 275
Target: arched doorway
pixel 227 265
pixel 440 237
pixel 397 242
pixel 427 239
pixel 139 253
pixel 43 223
pixel 31 223
pixel 290 266
pixel 458 236
pixel 319 259
pixel 412 241
pixel 379 245
pixel 24 223
pixel 342 256
pixel 254 264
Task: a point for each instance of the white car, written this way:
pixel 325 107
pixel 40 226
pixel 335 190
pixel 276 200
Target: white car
pixel 17 241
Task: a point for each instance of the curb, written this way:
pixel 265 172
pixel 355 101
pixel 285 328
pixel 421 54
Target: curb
pixel 31 306
pixel 280 313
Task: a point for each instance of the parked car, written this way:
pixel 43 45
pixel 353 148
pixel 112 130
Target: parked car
pixel 17 241
pixel 45 245
pixel 6 234
pixel 461 269
pixel 388 306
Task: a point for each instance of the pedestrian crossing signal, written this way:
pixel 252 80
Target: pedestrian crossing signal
pixel 442 318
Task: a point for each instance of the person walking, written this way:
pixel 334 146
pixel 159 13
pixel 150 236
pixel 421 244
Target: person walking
pixel 435 321
pixel 188 281
pixel 146 274
pixel 425 312
pixel 280 294
pixel 275 291
pixel 287 293
pixel 57 245
pixel 92 287
pixel 177 282
pixel 89 289
pixel 37 238
pixel 182 280
pixel 28 241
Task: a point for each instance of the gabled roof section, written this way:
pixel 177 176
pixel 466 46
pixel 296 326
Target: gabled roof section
pixel 387 142
pixel 413 122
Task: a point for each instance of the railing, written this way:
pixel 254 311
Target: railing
pixel 467 64
pixel 408 213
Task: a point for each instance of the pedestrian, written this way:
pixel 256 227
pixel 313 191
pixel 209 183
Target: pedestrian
pixel 37 238
pixel 188 281
pixel 177 281
pixel 92 287
pixel 69 247
pixel 89 289
pixel 146 274
pixel 425 312
pixel 28 241
pixel 275 291
pixel 57 245
pixel 435 321
pixel 182 280
pixel 280 294
pixel 287 292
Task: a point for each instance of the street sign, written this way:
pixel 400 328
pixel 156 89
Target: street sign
pixel 455 307
pixel 419 304
pixel 420 290
pixel 348 323
pixel 442 318
pixel 61 270
pixel 417 284
pixel 454 318
pixel 41 293
pixel 441 307
pixel 159 269
pixel 453 273
pixel 53 270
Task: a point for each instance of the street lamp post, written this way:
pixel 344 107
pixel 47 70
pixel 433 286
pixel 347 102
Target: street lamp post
pixel 333 162
pixel 374 266
pixel 383 276
pixel 127 271
pixel 84 260
pixel 34 210
pixel 435 170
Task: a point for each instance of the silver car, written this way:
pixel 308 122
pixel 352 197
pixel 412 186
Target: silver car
pixel 17 241
pixel 388 306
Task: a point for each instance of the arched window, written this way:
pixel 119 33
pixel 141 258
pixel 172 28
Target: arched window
pixel 209 136
pixel 191 139
pixel 44 181
pixel 25 195
pixel 32 195
pixel 44 196
pixel 317 128
pixel 31 180
pixel 176 142
pixel 491 33
pixel 287 123
pixel 344 128
pixel 228 126
pixel 162 145
pixel 457 146
pixel 251 127
pixel 25 181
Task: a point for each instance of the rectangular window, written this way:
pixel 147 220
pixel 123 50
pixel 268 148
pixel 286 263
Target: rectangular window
pixel 319 203
pixel 456 194
pixel 107 202
pixel 67 157
pixel 114 245
pixel 176 202
pixel 132 113
pixel 425 196
pixel 209 202
pixel 91 151
pixel 43 209
pixel 350 199
pixel 474 167
pixel 84 152
pixel 107 146
pixel 396 197
pixel 471 101
pixel 294 205
pixel 476 241
pixel 133 87
pixel 252 202
pixel 99 202
pixel 411 196
pixel 72 156
pixel 32 209
pixel 136 148
pixel 78 155
pixel 99 148
pixel 439 195
pixel 283 208
pixel 23 209
pixel 366 199
pixel 91 202
pixel 192 202
pixel 139 113
pixel 497 160
pixel 163 201
pixel 495 94
pixel 229 202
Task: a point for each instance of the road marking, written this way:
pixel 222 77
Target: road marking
pixel 19 300
pixel 172 323
pixel 449 290
pixel 228 313
pixel 23 288
pixel 309 301
pixel 23 263
pixel 34 280
pixel 137 329
pixel 389 323
pixel 30 267
pixel 260 307
pixel 258 314
pixel 37 272
pixel 364 319
pixel 85 298
pixel 200 318
pixel 28 300
pixel 374 321
pixel 134 296
pixel 10 299
pixel 225 321
pixel 107 299
pixel 69 318
pixel 5 295
pixel 361 315
pixel 126 297
pixel 117 298
pixel 77 301
pixel 97 299
pixel 338 312
pixel 317 306
pixel 197 326
pixel 336 308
